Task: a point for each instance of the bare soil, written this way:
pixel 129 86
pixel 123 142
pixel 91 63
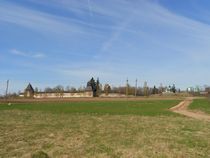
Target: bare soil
pixel 182 108
pixel 80 99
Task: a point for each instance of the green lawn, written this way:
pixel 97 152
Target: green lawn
pixel 101 129
pixel 201 104
pixel 147 108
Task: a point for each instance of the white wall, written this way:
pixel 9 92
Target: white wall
pixel 64 95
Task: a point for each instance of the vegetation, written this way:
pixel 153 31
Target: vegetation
pixel 107 89
pixel 95 86
pixel 147 108
pixel 101 129
pixel 201 104
pixel 40 154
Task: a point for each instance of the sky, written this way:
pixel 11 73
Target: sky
pixel 66 42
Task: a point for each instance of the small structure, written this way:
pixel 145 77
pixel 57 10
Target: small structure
pixel 29 91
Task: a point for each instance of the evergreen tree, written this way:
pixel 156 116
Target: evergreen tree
pixel 154 90
pixel 93 86
pixel 98 90
pixel 173 88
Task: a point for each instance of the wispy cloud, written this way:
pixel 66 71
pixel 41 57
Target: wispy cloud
pixel 27 54
pixel 131 38
pixel 90 8
pixel 43 22
pixel 116 34
pixel 158 27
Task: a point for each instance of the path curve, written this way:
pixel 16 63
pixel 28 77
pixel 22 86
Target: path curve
pixel 182 108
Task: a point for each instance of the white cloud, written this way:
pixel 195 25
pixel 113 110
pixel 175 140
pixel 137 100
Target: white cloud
pixel 42 22
pixel 157 26
pixel 27 54
pixel 139 38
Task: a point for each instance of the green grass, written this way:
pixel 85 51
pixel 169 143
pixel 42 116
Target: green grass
pixel 201 104
pixel 101 129
pixel 24 133
pixel 147 108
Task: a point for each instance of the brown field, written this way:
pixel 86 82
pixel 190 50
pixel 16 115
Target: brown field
pixel 25 100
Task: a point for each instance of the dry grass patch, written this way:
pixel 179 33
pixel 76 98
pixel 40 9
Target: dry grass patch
pixel 23 133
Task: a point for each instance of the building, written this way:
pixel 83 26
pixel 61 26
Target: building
pixel 29 91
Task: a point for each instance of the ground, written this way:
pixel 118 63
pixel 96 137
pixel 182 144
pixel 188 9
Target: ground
pixel 110 129
pixel 194 108
pixel 202 105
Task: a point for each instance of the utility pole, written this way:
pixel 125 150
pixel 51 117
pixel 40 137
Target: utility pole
pixel 136 88
pixel 7 87
pixel 145 89
pixel 127 87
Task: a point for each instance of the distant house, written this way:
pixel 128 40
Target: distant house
pixel 204 93
pixel 190 89
pixel 29 91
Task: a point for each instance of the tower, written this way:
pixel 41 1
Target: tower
pixel 29 91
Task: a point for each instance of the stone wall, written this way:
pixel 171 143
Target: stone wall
pixel 61 95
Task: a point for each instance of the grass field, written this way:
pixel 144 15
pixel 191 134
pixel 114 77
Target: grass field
pixel 148 108
pixel 101 129
pixel 201 105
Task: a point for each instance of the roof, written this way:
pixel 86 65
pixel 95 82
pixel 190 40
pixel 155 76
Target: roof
pixel 29 88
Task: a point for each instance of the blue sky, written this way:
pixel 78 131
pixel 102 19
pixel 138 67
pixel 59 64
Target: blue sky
pixel 51 42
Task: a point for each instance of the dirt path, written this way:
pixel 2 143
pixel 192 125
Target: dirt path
pixel 181 108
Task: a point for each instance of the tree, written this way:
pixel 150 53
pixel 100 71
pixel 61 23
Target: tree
pixel 98 87
pixel 154 90
pixel 107 89
pixel 161 89
pixel 36 91
pixel 207 89
pixel 173 88
pixel 67 89
pixel 73 90
pixel 93 86
pixel 59 90
pixel 81 89
pixel 48 90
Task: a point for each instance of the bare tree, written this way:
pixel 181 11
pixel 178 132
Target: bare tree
pixel 73 90
pixel 59 90
pixel 48 90
pixel 107 89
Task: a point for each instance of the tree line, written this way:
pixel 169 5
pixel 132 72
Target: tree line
pixel 98 89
